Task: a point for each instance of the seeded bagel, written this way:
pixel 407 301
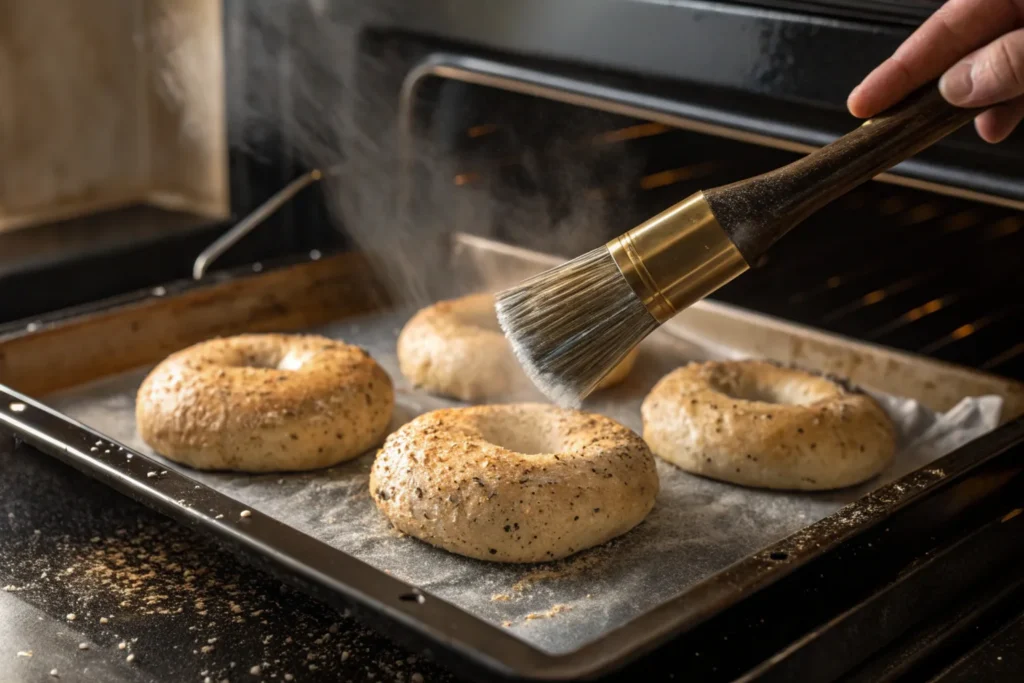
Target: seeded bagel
pixel 456 348
pixel 514 483
pixel 758 424
pixel 265 402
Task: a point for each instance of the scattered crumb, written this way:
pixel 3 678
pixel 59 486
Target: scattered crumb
pixel 561 570
pixel 501 597
pixel 255 670
pixel 507 624
pixel 151 474
pixel 416 678
pixel 556 609
pixel 156 569
pixel 288 677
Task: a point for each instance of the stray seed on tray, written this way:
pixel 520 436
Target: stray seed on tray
pixel 83 646
pixel 122 645
pixel 53 672
pixel 245 513
pixel 71 617
pixel 151 474
pixel 130 658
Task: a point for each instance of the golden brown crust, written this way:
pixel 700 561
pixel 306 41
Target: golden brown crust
pixel 757 424
pixel 514 483
pixel 265 402
pixel 456 348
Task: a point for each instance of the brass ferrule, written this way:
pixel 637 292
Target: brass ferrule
pixel 677 258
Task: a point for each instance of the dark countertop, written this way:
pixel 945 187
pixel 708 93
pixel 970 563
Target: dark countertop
pixel 141 586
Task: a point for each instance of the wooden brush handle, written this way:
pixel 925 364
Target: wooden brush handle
pixel 758 211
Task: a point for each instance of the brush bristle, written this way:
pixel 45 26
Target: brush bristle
pixel 571 325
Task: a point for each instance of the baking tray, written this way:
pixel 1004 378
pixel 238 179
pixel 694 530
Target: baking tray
pixel 87 364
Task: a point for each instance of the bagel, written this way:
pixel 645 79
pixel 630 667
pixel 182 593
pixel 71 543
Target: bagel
pixel 456 348
pixel 514 483
pixel 265 402
pixel 758 424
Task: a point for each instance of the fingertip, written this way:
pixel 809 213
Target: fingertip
pixel 862 101
pixel 998 123
pixel 855 104
pixel 879 90
pixel 985 130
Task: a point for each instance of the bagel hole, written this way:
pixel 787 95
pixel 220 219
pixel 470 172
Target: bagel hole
pixel 748 391
pixel 787 393
pixel 273 360
pixel 523 438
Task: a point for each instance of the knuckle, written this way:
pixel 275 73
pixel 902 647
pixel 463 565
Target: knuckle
pixel 1008 62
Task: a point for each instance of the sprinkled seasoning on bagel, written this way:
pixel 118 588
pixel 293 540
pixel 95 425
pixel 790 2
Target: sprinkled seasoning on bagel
pixel 760 424
pixel 265 402
pixel 514 483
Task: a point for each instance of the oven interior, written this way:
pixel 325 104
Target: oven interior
pixel 906 268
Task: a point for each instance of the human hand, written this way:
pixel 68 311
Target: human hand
pixel 977 46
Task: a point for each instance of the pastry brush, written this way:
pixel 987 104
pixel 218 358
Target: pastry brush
pixel 570 325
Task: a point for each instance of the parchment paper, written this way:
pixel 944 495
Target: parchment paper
pixel 698 526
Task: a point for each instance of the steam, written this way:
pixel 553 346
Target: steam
pixel 399 204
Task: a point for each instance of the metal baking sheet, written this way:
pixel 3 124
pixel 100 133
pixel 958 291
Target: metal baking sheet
pixel 58 357
pixel 697 528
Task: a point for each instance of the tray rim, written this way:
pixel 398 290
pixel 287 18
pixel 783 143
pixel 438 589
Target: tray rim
pixel 440 622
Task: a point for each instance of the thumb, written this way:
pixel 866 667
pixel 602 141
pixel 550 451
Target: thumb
pixel 988 76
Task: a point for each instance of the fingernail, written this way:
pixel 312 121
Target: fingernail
pixel 956 84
